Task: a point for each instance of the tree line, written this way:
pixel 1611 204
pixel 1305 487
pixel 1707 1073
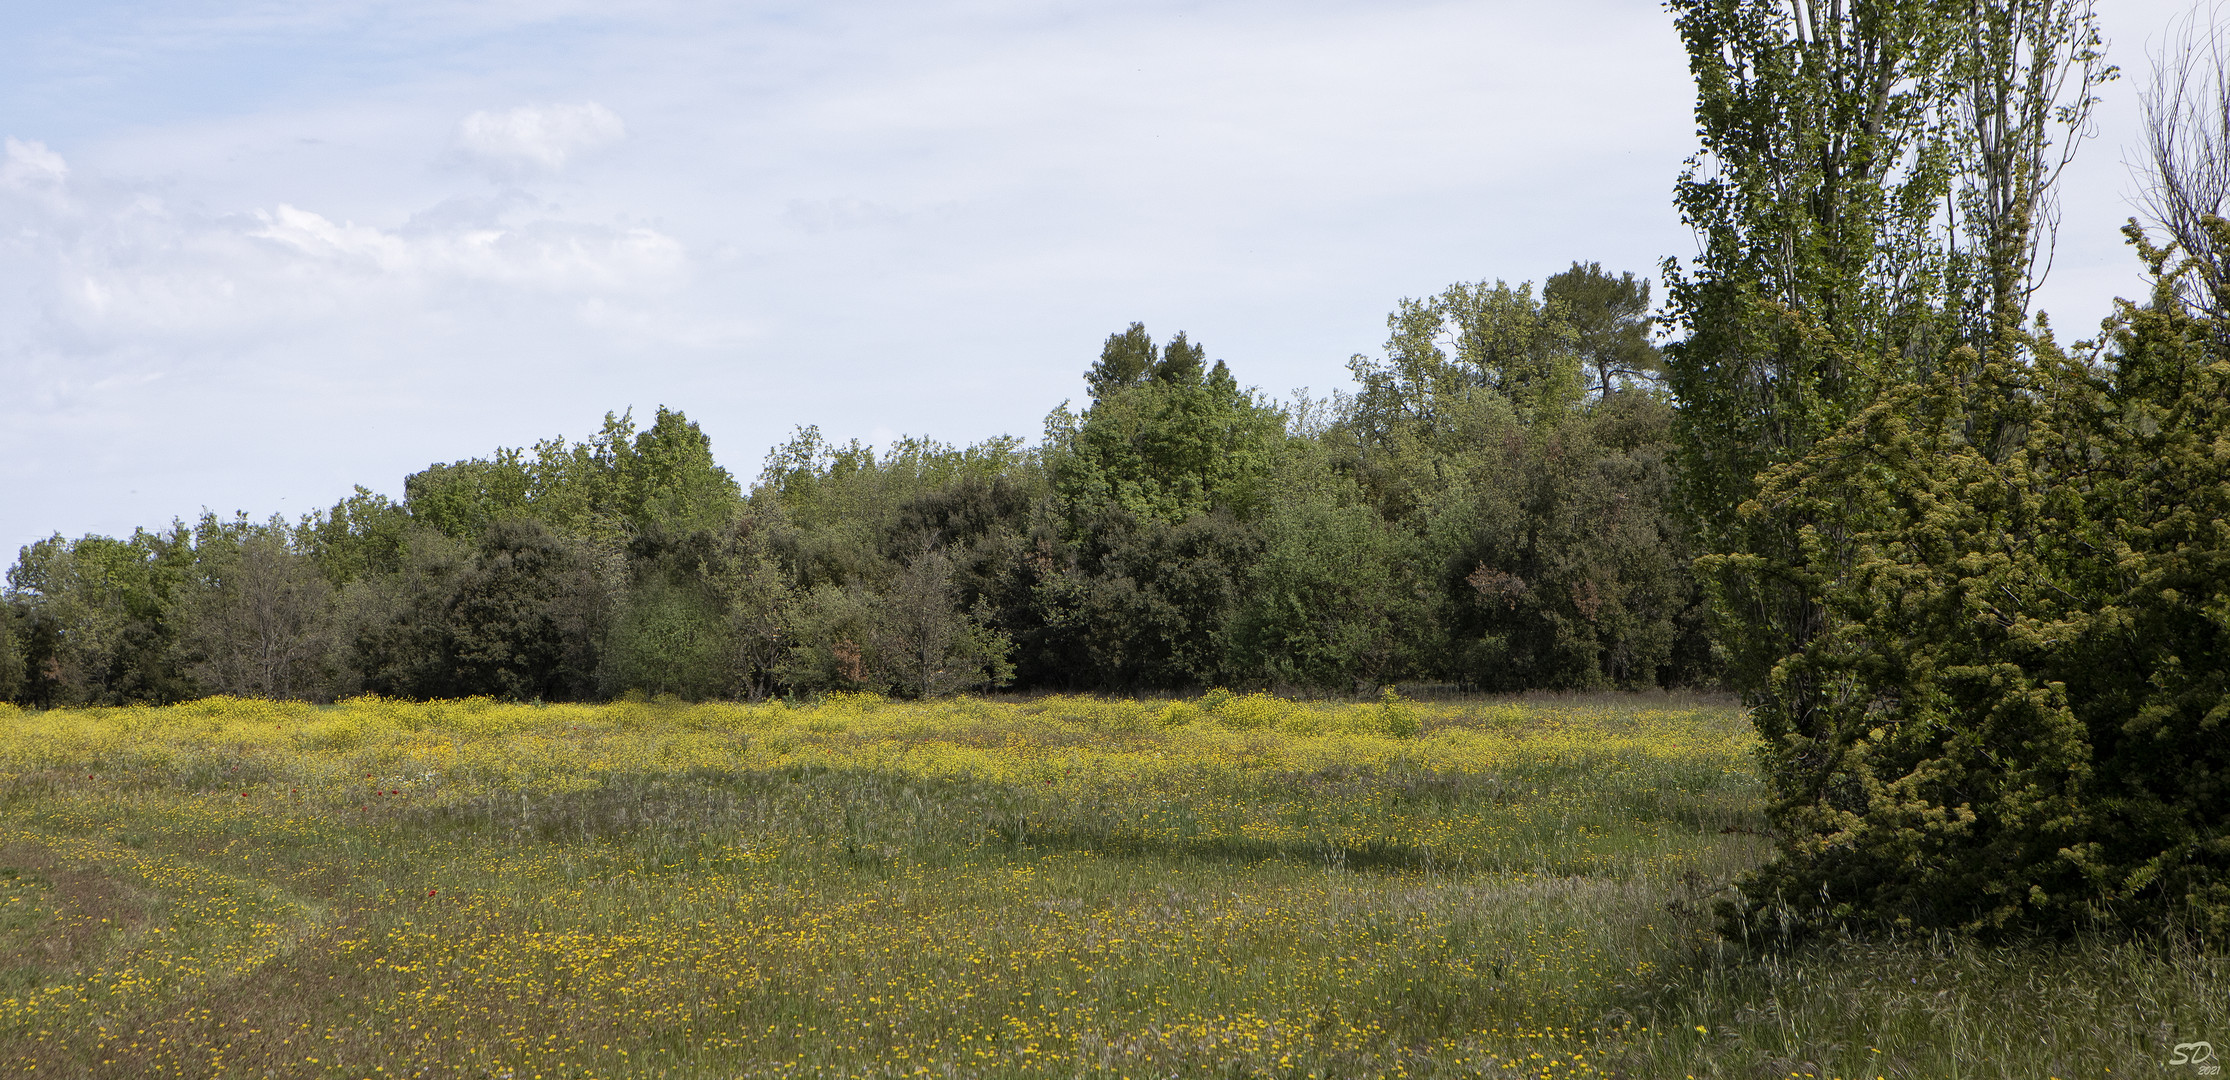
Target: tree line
pixel 1490 508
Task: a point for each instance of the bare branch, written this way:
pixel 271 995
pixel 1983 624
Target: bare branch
pixel 2187 143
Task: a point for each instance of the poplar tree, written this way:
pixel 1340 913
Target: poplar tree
pixel 1816 195
pixel 1857 387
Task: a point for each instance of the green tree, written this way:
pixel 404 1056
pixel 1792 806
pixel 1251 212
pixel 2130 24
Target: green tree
pixel 756 597
pixel 670 639
pixel 1563 563
pixel 1131 359
pixel 1449 354
pixel 602 490
pixel 835 644
pixel 1128 603
pixel 910 637
pixel 1335 599
pixel 1609 318
pixel 257 619
pixel 701 617
pixel 1858 403
pixel 527 616
pixel 667 477
pixel 1822 278
pixel 393 629
pixel 2028 645
pixel 1169 446
pixel 14 670
pixel 362 535
pixel 992 531
pixel 832 511
pixel 101 627
pixel 461 499
pixel 1536 517
pixel 932 646
pixel 2141 534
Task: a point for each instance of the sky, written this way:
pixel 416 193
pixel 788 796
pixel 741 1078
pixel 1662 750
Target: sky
pixel 253 254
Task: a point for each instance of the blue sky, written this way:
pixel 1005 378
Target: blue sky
pixel 252 254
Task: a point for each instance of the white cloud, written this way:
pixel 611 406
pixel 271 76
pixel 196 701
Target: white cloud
pixel 542 137
pixel 834 215
pixel 31 172
pixel 115 265
pixel 105 287
pixel 549 255
pixel 30 166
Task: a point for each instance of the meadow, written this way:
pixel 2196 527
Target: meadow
pixel 1061 887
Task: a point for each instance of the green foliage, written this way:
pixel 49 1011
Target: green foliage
pixel 1132 359
pixel 985 527
pixel 14 670
pixel 1135 603
pixel 1822 276
pixel 836 644
pixel 931 646
pixel 670 640
pixel 2030 586
pixel 667 478
pixel 702 617
pixel 461 499
pixel 1609 319
pixel 1168 441
pixel 1543 515
pixel 393 629
pixel 912 637
pixel 526 619
pixel 1473 344
pixel 1864 444
pixel 361 536
pixel 100 631
pixel 1332 600
pixel 1939 776
pixel 2147 541
pixel 1179 533
pixel 1564 561
pixel 619 482
pixel 840 511
pixel 257 618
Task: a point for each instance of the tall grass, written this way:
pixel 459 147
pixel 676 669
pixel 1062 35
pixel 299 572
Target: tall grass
pixel 1233 886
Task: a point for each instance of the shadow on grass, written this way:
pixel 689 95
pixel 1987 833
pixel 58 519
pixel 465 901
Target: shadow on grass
pixel 1373 855
pixel 871 818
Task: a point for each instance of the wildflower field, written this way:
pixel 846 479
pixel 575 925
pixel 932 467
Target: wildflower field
pixel 1233 886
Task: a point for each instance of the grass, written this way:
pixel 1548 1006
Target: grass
pixel 1238 886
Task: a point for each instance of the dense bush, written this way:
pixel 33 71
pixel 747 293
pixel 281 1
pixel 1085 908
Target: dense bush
pixel 2027 648
pixel 1974 588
